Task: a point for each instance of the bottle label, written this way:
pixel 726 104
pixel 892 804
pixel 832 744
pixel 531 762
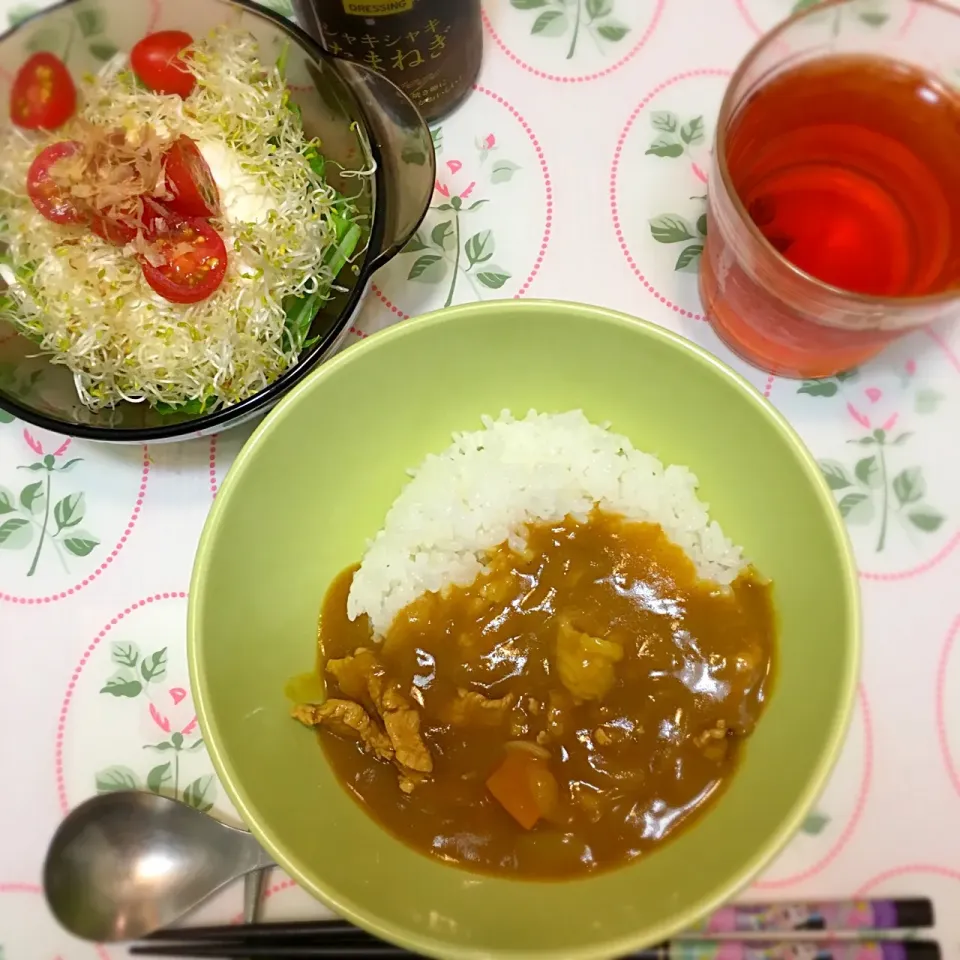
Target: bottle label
pixel 376 8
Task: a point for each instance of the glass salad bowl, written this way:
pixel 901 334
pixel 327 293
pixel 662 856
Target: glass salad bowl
pixel 377 151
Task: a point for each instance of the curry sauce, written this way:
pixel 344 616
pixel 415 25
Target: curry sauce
pixel 595 664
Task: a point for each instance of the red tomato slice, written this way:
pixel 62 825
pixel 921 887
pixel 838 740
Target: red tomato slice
pixel 190 181
pixel 47 197
pixel 117 232
pixel 157 62
pixel 194 260
pixel 43 94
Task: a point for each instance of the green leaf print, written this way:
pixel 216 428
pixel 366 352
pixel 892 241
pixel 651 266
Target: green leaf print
pixel 415 244
pixel 103 51
pixel 613 30
pixel 702 225
pixel 926 519
pixel 909 486
pixel 116 778
pixel 6 501
pixel 664 120
pixel 68 512
pixel 200 793
pixel 81 544
pixel 49 40
pixel 493 277
pixel 927 401
pixel 692 132
pixel 31 496
pixel 429 268
pixel 883 497
pixel 123 684
pixel 154 667
pixel 90 21
pixel 676 137
pixel 867 471
pixel 873 18
pixel 442 233
pixel 599 8
pixel 669 228
pixel 502 172
pixel 814 823
pixel 848 502
pixel 159 777
pixel 8 533
pixel 576 18
pixel 802 5
pixel 480 247
pixel 6 417
pixel 665 148
pixel 689 255
pixel 550 23
pixel 835 475
pixel 283 7
pixel 19 13
pixel 126 654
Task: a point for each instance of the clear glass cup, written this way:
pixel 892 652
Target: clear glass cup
pixel 766 309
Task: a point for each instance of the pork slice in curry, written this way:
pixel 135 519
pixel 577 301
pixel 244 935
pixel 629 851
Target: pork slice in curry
pixel 572 709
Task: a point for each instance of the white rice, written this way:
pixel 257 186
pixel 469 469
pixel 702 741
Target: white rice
pixel 486 486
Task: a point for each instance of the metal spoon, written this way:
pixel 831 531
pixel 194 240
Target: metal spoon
pixel 125 864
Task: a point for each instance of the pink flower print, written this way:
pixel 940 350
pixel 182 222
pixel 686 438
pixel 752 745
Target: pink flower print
pixel 34 444
pixel 872 395
pixel 452 184
pixel 698 172
pixel 911 367
pixel 490 141
pixel 174 712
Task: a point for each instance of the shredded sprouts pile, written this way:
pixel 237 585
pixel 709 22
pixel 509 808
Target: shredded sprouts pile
pixel 86 302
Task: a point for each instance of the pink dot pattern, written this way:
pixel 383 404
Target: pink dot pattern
pixel 114 553
pixel 71 686
pixel 953 771
pixel 212 466
pixel 548 188
pixel 581 78
pixel 615 172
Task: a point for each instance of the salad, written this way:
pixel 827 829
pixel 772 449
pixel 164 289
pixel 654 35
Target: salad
pixel 167 229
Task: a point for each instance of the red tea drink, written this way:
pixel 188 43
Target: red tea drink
pixel 849 167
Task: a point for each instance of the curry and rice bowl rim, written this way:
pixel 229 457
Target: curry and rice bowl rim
pixel 239 662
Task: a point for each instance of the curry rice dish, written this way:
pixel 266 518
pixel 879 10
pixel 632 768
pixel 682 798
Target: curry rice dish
pixel 549 658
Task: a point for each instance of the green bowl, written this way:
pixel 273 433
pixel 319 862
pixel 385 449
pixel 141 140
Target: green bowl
pixel 315 481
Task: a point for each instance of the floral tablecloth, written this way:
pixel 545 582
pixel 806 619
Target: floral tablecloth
pixel 581 163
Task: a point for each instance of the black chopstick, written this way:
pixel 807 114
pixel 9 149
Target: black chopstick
pixel 254 932
pixel 366 946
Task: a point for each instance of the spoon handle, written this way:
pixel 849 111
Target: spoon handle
pixel 252 893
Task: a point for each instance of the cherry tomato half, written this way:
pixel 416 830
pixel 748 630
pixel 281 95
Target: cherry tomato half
pixel 194 260
pixel 43 94
pixel 157 62
pixel 113 230
pixel 47 197
pixel 190 181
